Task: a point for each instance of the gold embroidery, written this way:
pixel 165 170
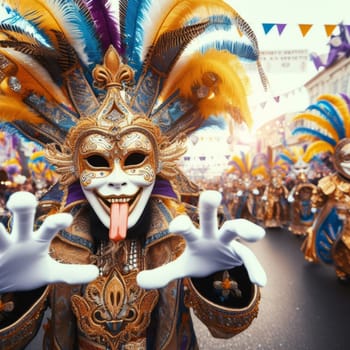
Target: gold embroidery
pixel 114 309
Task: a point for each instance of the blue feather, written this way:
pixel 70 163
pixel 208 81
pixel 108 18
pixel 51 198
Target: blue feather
pixel 12 130
pixel 82 30
pixel 314 133
pixel 286 158
pixel 134 32
pixel 242 50
pixel 214 121
pixel 16 23
pixel 335 122
pixel 333 113
pixel 216 22
pixel 225 23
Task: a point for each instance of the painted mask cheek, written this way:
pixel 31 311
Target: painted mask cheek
pixel 143 176
pixel 92 179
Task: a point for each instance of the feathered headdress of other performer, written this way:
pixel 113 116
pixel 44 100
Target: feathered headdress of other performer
pixel 40 168
pixel 294 154
pixel 299 159
pixel 245 163
pixel 164 68
pixel 326 124
pixel 273 163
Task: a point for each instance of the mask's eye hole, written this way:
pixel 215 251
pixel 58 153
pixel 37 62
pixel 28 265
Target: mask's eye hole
pixel 346 157
pixel 134 159
pixel 97 161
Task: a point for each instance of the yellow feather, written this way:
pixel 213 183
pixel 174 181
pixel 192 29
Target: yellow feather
pixel 315 148
pixel 260 170
pixel 289 153
pixel 320 122
pixel 33 77
pixel 11 109
pixel 227 92
pixel 342 107
pixel 298 151
pixel 243 163
pixel 239 164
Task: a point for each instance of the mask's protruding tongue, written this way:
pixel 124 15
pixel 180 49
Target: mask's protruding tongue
pixel 118 221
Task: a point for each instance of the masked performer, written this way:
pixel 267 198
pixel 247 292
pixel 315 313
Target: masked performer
pixel 328 239
pixel 299 198
pixel 275 192
pixel 111 90
pixel 248 204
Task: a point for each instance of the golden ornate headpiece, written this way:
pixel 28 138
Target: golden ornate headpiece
pixel 113 119
pixel 162 73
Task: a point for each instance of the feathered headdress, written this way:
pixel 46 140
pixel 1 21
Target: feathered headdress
pixel 247 164
pixel 70 65
pixel 274 163
pixel 297 154
pixel 325 123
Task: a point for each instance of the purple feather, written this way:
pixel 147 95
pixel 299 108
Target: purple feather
pixel 106 23
pixel 346 98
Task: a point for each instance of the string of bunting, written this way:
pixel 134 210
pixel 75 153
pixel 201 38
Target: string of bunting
pixel 277 98
pixel 304 28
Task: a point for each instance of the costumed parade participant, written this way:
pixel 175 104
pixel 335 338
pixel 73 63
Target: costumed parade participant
pixel 327 122
pixel 299 198
pixel 111 90
pixel 248 197
pixel 276 213
pixel 42 173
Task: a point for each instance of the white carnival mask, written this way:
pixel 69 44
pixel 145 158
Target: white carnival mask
pixel 115 153
pixel 117 178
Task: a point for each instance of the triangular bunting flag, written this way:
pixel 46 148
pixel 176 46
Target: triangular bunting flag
pixel 304 28
pixel 329 28
pixel 276 98
pixel 280 27
pixel 267 27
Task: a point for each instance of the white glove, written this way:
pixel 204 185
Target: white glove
pixel 208 249
pixel 25 263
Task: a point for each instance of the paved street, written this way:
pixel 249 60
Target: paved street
pixel 303 307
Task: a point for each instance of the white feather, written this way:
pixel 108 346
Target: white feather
pixel 157 13
pixel 71 31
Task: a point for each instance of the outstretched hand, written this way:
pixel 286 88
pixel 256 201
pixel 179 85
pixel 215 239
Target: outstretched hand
pixel 25 263
pixel 208 249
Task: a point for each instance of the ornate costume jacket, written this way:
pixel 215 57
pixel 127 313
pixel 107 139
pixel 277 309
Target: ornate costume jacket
pixel 113 312
pixel 329 237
